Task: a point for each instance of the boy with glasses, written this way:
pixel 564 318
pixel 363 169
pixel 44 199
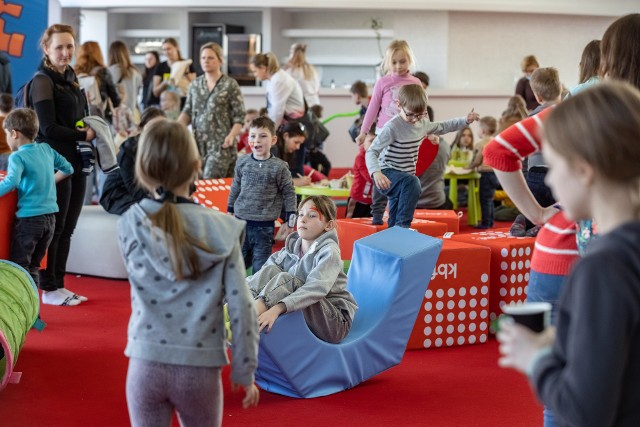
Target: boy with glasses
pixel 391 159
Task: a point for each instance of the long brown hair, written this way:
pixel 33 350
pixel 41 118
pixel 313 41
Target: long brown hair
pixel 604 132
pixel 119 54
pixel 89 56
pixel 267 60
pixel 168 158
pixel 620 50
pixel 590 61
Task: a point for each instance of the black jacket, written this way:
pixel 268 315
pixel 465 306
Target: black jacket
pixel 5 74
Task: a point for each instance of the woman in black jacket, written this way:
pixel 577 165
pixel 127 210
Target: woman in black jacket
pixel 56 97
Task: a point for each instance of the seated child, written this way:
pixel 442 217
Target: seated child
pixel 243 139
pixel 307 274
pixel 31 168
pixel 6 105
pixel 488 181
pixel 359 203
pixel 391 159
pixel 462 147
pixel 170 104
pixel 261 185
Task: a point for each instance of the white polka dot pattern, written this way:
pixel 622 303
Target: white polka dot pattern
pixel 213 193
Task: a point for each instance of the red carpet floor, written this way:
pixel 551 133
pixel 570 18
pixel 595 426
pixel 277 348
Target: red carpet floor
pixel 74 375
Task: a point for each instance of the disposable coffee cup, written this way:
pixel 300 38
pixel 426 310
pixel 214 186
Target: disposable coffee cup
pixel 534 315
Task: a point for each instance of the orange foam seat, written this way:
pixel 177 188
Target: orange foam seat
pixel 448 217
pixel 213 193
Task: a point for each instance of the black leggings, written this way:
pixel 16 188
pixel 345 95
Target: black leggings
pixel 70 197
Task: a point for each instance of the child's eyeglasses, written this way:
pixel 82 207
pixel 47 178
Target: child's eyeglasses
pixel 414 116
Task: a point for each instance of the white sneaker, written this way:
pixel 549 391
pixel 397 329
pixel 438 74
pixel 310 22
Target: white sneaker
pixel 59 297
pixel 74 295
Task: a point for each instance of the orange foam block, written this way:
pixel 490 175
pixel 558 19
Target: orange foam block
pixel 352 229
pixel 510 264
pixel 455 308
pixel 448 217
pixel 213 193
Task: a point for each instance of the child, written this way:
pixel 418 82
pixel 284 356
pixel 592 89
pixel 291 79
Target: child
pixel 170 104
pixel 359 203
pixel 391 159
pixel 31 171
pixel 183 261
pixel 546 86
pixel 262 183
pixel 396 72
pixel 6 105
pixel 462 148
pixel 124 122
pixel 585 372
pixel 424 81
pixel 488 180
pixel 360 97
pixel 291 136
pixel 243 140
pixel 307 274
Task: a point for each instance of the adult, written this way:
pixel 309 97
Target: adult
pixel 304 73
pixel 59 103
pixel 556 248
pixel 215 110
pixel 285 100
pixel 5 74
pixel 91 62
pixel 121 190
pixel 151 62
pixel 124 73
pixel 523 88
pixel 162 79
pixel 589 68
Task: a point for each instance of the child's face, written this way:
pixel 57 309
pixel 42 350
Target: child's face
pixel 411 116
pixel 167 102
pixel 292 143
pixel 260 141
pixel 248 118
pixel 12 139
pixel 466 139
pixel 311 223
pixel 400 63
pixel 568 185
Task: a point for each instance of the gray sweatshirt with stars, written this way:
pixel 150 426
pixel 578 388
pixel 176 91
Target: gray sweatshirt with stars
pixel 182 322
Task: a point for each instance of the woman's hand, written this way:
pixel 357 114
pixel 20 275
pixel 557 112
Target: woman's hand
pixel 519 344
pixel 382 182
pixel 251 394
pixel 91 134
pixel 302 181
pixel 268 318
pixel 229 141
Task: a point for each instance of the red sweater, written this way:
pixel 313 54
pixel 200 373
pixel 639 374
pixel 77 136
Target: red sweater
pixel 362 188
pixel 555 250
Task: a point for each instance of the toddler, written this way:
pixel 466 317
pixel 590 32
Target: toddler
pixel 488 181
pixel 170 104
pixel 243 140
pixel 124 122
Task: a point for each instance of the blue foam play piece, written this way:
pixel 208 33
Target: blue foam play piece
pixel 388 277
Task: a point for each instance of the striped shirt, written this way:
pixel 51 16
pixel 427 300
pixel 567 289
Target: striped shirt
pixel 555 248
pixel 397 145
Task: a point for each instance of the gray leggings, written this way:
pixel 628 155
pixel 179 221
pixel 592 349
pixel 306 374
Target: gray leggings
pixel 324 319
pixel 155 389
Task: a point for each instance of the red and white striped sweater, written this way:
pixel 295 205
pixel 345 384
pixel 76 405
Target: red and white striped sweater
pixel 555 248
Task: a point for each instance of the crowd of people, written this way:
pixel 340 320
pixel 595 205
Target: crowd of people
pixel 175 127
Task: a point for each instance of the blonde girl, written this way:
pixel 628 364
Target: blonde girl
pixel 184 261
pixel 586 373
pixel 307 274
pixel 397 66
pixel 304 73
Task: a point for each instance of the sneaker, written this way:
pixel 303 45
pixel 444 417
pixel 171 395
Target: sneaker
pixel 519 226
pixel 533 231
pixel 73 295
pixel 58 297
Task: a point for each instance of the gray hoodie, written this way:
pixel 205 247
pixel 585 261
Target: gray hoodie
pixel 182 322
pixel 321 269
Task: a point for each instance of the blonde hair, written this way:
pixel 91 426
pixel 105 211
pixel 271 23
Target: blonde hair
pixel 298 59
pixel 324 204
pixel 267 60
pixel 604 132
pixel 545 82
pixel 215 47
pixel 413 98
pixel 168 158
pixel 397 46
pixel 488 124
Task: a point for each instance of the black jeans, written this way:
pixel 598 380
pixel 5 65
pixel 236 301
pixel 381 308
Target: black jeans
pixel 30 240
pixel 488 185
pixel 540 190
pixel 70 197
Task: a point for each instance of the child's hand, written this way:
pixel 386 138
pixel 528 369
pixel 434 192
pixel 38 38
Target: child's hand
pixel 360 138
pixel 268 318
pixel 251 394
pixel 382 182
pixel 435 139
pixel 472 116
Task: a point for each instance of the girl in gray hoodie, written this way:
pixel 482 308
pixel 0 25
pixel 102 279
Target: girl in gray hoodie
pixel 307 274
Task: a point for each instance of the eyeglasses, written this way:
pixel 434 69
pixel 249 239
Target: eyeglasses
pixel 413 116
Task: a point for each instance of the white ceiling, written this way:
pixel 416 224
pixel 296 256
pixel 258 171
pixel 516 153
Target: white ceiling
pixel 573 7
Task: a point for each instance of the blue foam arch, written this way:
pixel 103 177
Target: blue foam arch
pixel 388 276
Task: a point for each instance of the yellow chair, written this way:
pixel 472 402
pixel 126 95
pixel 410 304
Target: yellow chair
pixel 474 214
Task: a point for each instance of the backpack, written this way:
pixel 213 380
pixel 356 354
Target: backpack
pixel 23 97
pixel 91 88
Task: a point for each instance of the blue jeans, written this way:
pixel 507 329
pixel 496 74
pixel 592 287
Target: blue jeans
pixel 546 288
pixel 257 246
pixel 403 195
pixel 488 185
pixel 30 240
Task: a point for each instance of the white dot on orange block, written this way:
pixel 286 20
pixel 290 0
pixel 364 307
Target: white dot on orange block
pixel 527 251
pixel 504 252
pixel 450 329
pixel 449 341
pixel 473 303
pixel 473 290
pixel 526 277
pixel 504 265
pixel 427 343
pixel 520 264
pixel 483 338
pixel 520 278
pixel 462 291
pixel 485 290
pixel 484 278
pixel 512 278
pixel 513 265
pixel 503 278
pixel 484 314
pixel 472 327
pixel 520 252
pixel 427 331
pixel 438 330
pixel 512 292
pixel 440 293
pixel 451 292
pixel 514 252
pixel 462 315
pixel 519 291
pixel 527 264
pixel 460 340
pixel 208 202
pixel 439 305
pixel 451 317
pixel 461 328
pixel 427 318
pixel 439 318
pixel 484 302
pixel 483 326
pixel 472 339
pixel 428 294
pixel 503 292
pixel 462 303
pixel 473 315
pixel 427 306
pixel 439 342
pixel 450 304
